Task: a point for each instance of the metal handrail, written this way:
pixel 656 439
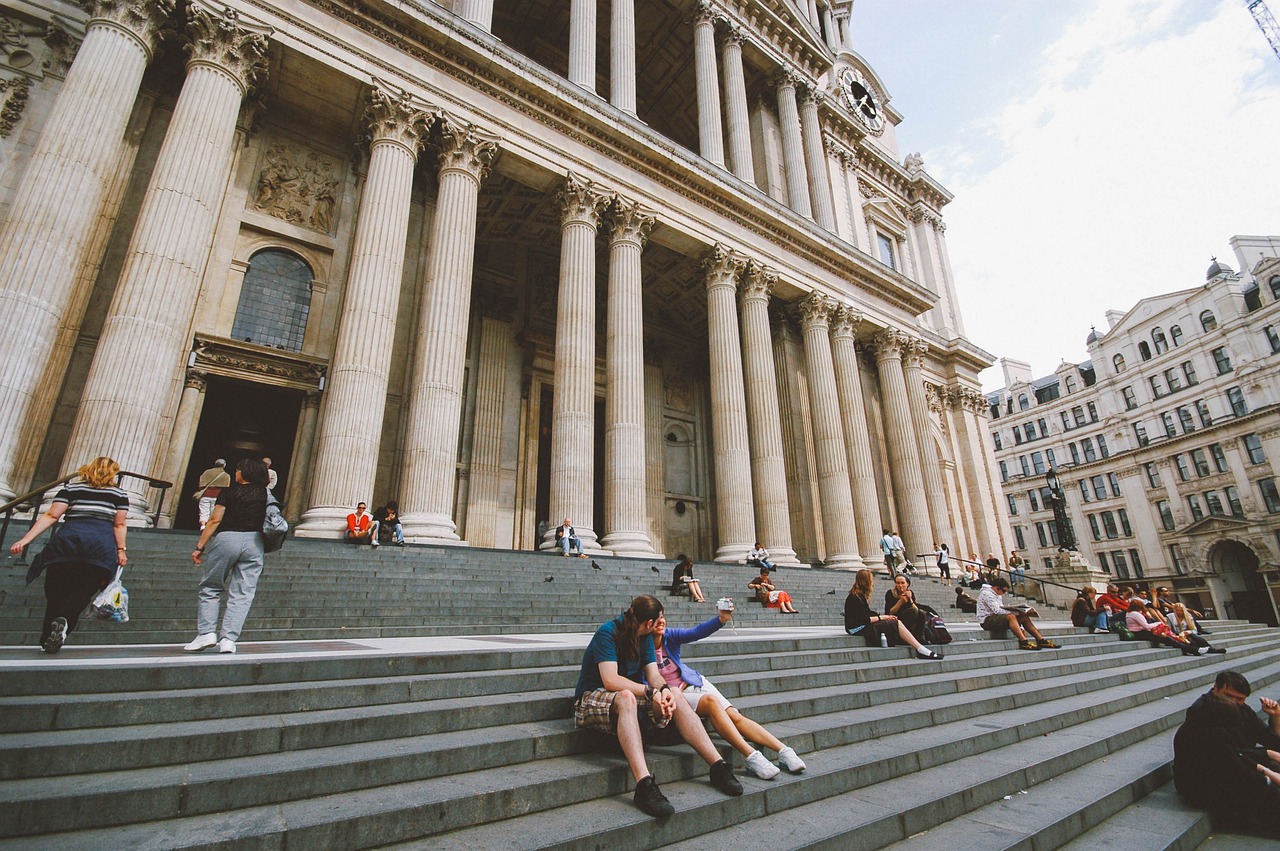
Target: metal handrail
pixel 35 496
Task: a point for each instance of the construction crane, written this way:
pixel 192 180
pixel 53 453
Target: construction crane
pixel 1266 23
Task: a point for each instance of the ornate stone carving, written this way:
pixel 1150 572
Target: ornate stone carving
pixel 464 147
pixel 15 102
pixel 889 343
pixel 196 379
pixel 393 116
pixel 581 201
pixel 298 185
pixel 812 94
pixel 914 351
pixel 845 321
pixel 757 282
pixel 678 390
pixel 933 396
pixel 259 364
pixel 222 39
pixel 785 77
pixel 141 19
pixel 721 266
pixel 736 34
pixel 36 49
pixel 629 222
pixel 815 309
pixel 60 48
pixel 914 164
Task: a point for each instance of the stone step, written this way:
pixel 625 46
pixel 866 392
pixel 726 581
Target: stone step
pixel 1158 821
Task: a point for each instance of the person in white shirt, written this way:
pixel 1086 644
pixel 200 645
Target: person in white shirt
pixel 994 616
pixel 759 557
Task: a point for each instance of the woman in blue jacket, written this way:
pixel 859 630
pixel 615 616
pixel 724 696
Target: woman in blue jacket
pixel 734 727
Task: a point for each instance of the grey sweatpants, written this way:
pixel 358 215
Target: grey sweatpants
pixel 232 562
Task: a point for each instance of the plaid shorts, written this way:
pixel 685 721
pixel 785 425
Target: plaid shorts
pixel 593 711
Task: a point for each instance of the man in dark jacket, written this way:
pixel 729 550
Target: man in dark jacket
pixel 1218 756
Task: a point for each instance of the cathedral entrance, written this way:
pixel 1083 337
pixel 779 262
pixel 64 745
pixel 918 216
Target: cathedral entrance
pixel 1244 591
pixel 549 516
pixel 240 419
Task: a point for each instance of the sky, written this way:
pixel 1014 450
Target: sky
pixel 1099 151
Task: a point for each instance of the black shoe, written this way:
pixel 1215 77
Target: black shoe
pixel 650 800
pixel 926 653
pixel 722 778
pixel 1217 650
pixel 57 635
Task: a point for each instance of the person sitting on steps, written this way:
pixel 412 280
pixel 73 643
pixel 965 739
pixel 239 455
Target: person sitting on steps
pixel 859 619
pixel 900 601
pixel 360 527
pixel 567 538
pixel 767 593
pixel 759 557
pixel 386 521
pixel 964 602
pixel 994 617
pixel 1086 612
pixel 682 581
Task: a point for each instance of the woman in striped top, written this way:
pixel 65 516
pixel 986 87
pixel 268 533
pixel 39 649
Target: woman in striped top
pixel 82 557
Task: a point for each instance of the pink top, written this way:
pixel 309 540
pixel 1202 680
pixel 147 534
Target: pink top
pixel 670 670
pixel 1137 622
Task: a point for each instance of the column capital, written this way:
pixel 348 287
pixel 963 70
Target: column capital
pixel 141 19
pixel 810 94
pixel 705 13
pixel 816 310
pixel 581 201
pixel 465 148
pixel 721 266
pixel 395 118
pixel 845 321
pixel 196 379
pixel 889 344
pixel 786 78
pixel 757 282
pixel 935 398
pixel 225 40
pixel 629 222
pixel 734 34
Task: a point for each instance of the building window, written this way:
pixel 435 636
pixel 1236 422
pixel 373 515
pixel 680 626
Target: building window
pixel 1103 563
pixel 1270 496
pixel 1118 363
pixel 1189 372
pixel 1222 359
pixel 1004 472
pixel 1048 454
pixel 1144 351
pixel 1136 562
pixel 1233 501
pixel 995 436
pixel 1166 516
pixel 1212 500
pixel 1023 402
pixel 1093 412
pixel 1122 566
pixel 1236 397
pixel 1219 457
pixel 1207 320
pixel 1153 474
pixel 886 250
pixel 1272 338
pixel 274 301
pixel 1140 432
pixel 1275 287
pixel 1071 384
pixel 1174 379
pixel 1078 414
pixel 1175 334
pixel 1158 339
pixel 1185 418
pixel 1037 461
pixel 1044 541
pixel 1066 423
pixel 1026 468
pixel 1202 410
pixel 1184 472
pixel 1084 491
pixel 1157 388
pixel 1086 445
pixel 1124 522
pixel 1169 429
pixel 1075 453
pixel 1253 446
pixel 1102 446
pixel 1179 559
pixel 1017 436
pixel 1099 487
pixel 1017 533
pixel 1114 481
pixel 1193 502
pixel 1130 398
pixel 1013 505
pixel 1030 429
pixel 1252 298
pixel 1201 462
pixel 1034 499
pixel 1109 525
pixel 1093 527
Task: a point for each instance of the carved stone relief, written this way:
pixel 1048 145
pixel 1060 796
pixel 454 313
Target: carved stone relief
pixel 298 185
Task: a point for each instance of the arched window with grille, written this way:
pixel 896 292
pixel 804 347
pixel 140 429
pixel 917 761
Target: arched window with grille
pixel 274 301
pixel 1159 341
pixel 1175 334
pixel 1207 320
pixel 1118 363
pixel 1144 350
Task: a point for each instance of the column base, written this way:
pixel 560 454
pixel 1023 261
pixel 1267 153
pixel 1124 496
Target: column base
pixel 787 556
pixel 323 522
pixel 844 561
pixel 732 553
pixel 429 529
pixel 627 545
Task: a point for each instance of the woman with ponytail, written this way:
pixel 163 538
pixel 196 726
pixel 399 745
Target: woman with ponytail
pixel 621 691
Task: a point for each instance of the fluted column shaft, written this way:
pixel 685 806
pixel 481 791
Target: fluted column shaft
pixel 132 390
pixel 982 495
pixel 624 444
pixel 478 12
pixel 768 463
pixel 815 155
pixel 732 454
pixel 838 522
pixel 710 136
pixel 573 408
pixel 736 110
pixel 50 222
pixel 190 404
pixel 792 148
pixel 622 56
pixel 346 452
pixel 935 496
pixel 857 435
pixel 300 463
pixel 904 457
pixel 582 43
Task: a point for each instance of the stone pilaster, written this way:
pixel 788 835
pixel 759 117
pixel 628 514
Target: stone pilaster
pixel 478 12
pixel 931 471
pixel 573 416
pixel 346 453
pixel 857 435
pixel 710 137
pixel 838 522
pixel 768 464
pixel 792 147
pixel 582 43
pixel 732 455
pixel 904 454
pixel 973 408
pixel 815 155
pixel 45 234
pixel 624 444
pixel 190 404
pixel 131 394
pixel 735 97
pixel 300 464
pixel 622 56
pixel 435 392
pixel 487 434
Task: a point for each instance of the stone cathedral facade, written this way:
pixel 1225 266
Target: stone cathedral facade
pixel 657 267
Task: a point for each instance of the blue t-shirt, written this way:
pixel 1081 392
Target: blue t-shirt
pixel 603 648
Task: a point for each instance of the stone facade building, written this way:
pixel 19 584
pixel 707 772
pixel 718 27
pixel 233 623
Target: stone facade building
pixel 661 269
pixel 1165 441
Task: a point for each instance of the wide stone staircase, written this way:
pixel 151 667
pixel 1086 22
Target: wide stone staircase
pixel 420 697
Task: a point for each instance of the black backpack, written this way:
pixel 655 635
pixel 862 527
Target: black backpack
pixel 935 631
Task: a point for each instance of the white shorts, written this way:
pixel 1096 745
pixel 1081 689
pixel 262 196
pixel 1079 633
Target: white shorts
pixel 694 694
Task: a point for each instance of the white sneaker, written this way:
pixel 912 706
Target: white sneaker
pixel 790 761
pixel 761 767
pixel 226 645
pixel 202 642
pixel 1100 631
pixel 374 542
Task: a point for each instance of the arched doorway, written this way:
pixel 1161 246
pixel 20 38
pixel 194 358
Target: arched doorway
pixel 1242 589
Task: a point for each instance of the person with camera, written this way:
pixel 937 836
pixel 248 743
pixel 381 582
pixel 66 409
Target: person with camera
pixel 706 700
pixel 621 692
pixel 900 602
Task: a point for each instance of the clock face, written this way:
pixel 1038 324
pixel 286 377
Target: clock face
pixel 860 100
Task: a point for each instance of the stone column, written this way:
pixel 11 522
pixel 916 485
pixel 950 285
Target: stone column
pixel 178 453
pixel 55 208
pixel 300 463
pixel 624 444
pixel 574 400
pixel 435 393
pixel 838 523
pixel 478 12
pixel 732 455
pixel 487 433
pixel 768 464
pixel 935 496
pixel 842 29
pixel 857 435
pixel 582 43
pixel 735 96
pixel 973 412
pixel 904 456
pixel 132 390
pixel 815 156
pixel 710 137
pixel 622 56
pixel 346 452
pixel 792 149
pixel 829 24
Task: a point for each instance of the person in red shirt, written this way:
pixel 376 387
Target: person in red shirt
pixel 360 526
pixel 1113 604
